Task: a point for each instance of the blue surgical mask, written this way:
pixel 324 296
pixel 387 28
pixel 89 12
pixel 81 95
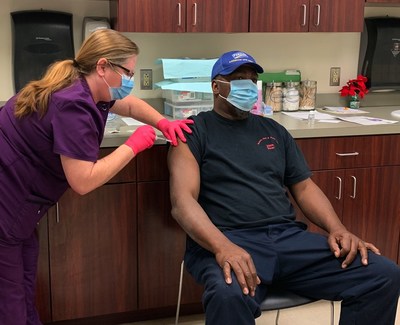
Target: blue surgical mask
pixel 243 94
pixel 124 90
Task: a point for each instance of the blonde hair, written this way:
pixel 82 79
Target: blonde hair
pixel 104 43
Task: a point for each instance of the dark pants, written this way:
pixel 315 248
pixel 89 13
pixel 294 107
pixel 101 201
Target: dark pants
pixel 289 257
pixel 18 265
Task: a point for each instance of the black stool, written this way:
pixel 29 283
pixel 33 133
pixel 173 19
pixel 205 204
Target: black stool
pixel 275 300
pixel 280 299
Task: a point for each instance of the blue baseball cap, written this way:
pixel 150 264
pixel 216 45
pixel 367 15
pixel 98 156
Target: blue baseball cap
pixel 230 61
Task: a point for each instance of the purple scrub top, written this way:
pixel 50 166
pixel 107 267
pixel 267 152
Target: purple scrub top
pixel 31 174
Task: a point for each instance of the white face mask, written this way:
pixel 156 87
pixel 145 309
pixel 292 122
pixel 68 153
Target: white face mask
pixel 243 94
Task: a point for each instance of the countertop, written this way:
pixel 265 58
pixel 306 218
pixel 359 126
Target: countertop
pixel 296 127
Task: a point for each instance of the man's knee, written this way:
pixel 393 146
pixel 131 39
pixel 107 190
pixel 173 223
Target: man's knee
pixel 386 272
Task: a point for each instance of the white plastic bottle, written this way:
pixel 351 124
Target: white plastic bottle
pixel 311 118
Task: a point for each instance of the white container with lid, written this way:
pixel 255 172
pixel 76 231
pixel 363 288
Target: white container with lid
pixel 290 96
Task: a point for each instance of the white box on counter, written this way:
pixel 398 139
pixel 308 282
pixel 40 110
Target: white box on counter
pixel 184 111
pixel 177 97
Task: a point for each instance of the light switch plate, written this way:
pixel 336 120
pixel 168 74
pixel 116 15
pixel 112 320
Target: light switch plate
pixel 334 79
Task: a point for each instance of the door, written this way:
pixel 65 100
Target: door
pixel 154 16
pixel 372 207
pixel 306 15
pixel 227 16
pixel 331 182
pixel 161 241
pixel 161 249
pixel 93 253
pixel 336 15
pixel 279 15
pixel 43 302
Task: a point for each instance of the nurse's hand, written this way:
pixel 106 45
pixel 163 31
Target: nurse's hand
pixel 172 128
pixel 143 138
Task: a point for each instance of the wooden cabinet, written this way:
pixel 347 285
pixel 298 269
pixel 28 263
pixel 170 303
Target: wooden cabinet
pixel 306 15
pixel 88 256
pixel 161 240
pixel 93 253
pixel 180 15
pixel 115 251
pixel 359 175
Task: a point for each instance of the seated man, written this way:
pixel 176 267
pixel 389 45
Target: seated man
pixel 228 192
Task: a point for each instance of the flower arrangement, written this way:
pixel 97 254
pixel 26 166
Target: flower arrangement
pixel 355 87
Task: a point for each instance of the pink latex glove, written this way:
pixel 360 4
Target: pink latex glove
pixel 143 138
pixel 172 128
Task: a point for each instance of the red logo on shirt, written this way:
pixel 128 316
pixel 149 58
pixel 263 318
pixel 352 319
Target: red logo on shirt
pixel 269 142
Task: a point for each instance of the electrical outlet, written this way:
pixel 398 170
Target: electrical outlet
pixel 146 79
pixel 334 79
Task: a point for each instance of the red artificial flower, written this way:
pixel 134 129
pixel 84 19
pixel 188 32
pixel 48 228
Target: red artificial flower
pixel 355 87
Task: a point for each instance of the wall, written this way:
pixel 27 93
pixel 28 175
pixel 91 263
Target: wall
pixel 78 8
pixel 312 53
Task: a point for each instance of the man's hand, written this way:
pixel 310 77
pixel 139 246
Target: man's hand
pixel 345 244
pixel 236 259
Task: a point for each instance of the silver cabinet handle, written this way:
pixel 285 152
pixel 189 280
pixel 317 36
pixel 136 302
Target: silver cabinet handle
pixel 339 196
pixel 304 15
pixel 179 14
pixel 355 153
pixel 354 187
pixel 57 213
pixel 318 14
pixel 195 14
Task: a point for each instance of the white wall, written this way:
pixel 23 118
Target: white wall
pixel 312 53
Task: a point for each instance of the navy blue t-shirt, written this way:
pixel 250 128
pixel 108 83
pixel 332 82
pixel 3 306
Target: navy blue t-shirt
pixel 245 166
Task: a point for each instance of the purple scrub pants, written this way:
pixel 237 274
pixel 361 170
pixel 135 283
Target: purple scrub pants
pixel 289 257
pixel 18 265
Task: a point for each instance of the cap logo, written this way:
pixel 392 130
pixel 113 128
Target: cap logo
pixel 240 56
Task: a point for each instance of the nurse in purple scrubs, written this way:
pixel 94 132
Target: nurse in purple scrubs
pixel 50 135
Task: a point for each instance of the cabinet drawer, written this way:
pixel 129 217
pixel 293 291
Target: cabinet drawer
pixel 127 174
pixel 350 152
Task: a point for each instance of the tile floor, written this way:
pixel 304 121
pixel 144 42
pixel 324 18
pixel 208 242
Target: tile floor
pixel 317 313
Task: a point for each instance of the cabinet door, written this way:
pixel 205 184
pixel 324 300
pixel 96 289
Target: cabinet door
pixel 372 206
pixel 93 253
pixel 230 16
pixel 43 302
pixel 279 15
pixel 306 15
pixel 148 15
pixel 331 182
pixel 336 16
pixel 161 248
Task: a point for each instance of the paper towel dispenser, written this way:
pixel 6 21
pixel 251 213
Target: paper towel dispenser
pixel 379 58
pixel 40 38
pixel 90 24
